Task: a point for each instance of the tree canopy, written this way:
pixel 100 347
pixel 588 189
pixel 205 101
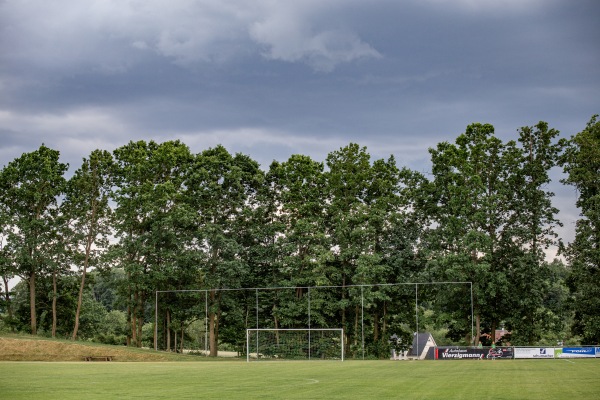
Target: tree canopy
pixel 342 235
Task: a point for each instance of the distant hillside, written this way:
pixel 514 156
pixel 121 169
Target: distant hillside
pixel 17 348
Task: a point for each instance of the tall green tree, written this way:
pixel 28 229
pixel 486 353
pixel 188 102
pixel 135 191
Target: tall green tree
pixel 150 218
pixel 58 264
pixel 87 209
pixel 347 213
pixel 581 163
pixel 534 219
pixel 493 220
pixel 302 246
pixel 219 188
pixel 394 229
pixel 7 265
pixel 30 187
pixel 540 153
pixel 469 200
pixel 7 272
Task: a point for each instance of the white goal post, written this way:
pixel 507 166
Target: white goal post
pixel 295 344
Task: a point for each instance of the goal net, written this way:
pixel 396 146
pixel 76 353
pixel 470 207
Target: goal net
pixel 295 344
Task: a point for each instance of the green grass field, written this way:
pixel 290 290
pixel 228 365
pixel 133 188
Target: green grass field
pixel 506 379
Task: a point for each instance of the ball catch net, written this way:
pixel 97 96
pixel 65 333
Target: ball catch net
pixel 294 344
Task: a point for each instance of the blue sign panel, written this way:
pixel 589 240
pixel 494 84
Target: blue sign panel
pixel 575 352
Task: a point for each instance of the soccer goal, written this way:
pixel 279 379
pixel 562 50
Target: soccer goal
pixel 294 344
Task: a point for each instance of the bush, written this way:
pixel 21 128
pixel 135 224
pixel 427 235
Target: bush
pixel 108 338
pixel 112 329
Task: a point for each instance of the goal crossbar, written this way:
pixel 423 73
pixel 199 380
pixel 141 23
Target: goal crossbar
pixel 294 343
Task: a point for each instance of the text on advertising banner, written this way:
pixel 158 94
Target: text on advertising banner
pixel 534 352
pixel 575 352
pixel 470 353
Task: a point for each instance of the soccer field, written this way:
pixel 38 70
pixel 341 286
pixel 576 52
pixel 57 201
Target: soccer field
pixel 472 379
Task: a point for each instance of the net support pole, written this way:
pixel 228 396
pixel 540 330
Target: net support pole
pixel 206 323
pixel 342 343
pixel 417 317
pixel 362 320
pixel 256 328
pixel 309 335
pixel 247 345
pixel 472 316
pixel 156 320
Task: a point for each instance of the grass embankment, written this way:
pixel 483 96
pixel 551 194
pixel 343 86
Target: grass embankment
pixel 29 348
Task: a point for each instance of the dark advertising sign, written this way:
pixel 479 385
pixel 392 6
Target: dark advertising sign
pixel 472 353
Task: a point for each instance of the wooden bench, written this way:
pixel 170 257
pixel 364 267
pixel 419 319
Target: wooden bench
pixel 98 358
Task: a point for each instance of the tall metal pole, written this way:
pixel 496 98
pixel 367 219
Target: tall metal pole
pixel 309 333
pixel 156 320
pixel 247 338
pixel 362 320
pixel 206 322
pixel 417 317
pixel 472 316
pixel 309 310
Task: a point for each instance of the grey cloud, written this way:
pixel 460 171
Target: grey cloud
pixel 112 36
pixel 274 78
pixel 322 51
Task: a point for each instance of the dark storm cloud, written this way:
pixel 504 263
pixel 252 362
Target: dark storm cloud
pixel 271 79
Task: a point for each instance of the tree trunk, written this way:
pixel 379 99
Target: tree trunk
pixel 212 337
pixel 213 326
pixel 8 302
pixel 218 319
pixel 168 330
pixel 54 298
pixel 140 316
pixel 343 310
pixel 129 312
pixel 133 333
pixel 32 303
pixel 276 321
pixel 384 327
pixel 343 314
pixel 134 319
pixel 356 317
pixel 375 327
pixel 182 336
pixel 88 249
pixel 137 319
pixel 140 326
pixel 477 328
pixel 79 302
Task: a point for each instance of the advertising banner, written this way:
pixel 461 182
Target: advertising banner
pixel 534 352
pixel 575 352
pixel 500 352
pixel 456 353
pixel 472 353
pixel 597 351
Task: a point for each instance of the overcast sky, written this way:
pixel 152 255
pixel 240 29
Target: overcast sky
pixel 274 78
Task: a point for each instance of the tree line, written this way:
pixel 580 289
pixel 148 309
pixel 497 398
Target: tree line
pixel 150 217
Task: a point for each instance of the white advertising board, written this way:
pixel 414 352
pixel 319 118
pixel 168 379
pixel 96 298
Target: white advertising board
pixel 534 352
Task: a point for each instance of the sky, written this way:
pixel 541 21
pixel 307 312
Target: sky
pixel 272 78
